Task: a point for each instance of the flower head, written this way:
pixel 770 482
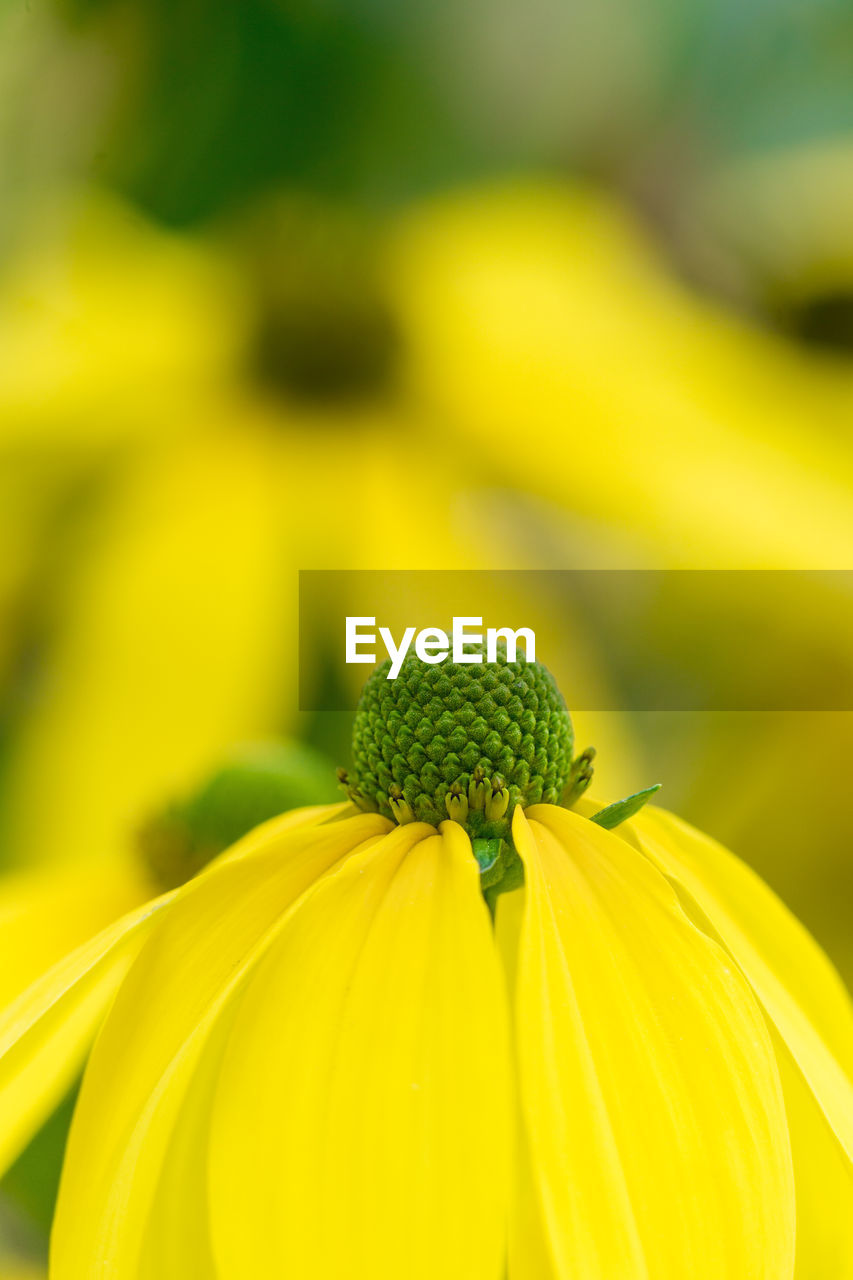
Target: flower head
pixel 468 743
pixel 435 727
pixel 320 1058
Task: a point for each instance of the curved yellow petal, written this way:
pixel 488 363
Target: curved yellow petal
pixel 515 300
pixel 46 1031
pixel 177 1241
pixel 793 979
pixel 529 1251
pixel 144 1060
pixel 362 1121
pixel 56 987
pixel 530 1255
pixel 308 816
pixel 648 1083
pixel 824 1182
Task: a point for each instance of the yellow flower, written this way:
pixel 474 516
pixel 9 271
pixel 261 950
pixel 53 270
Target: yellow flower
pixel 177 627
pixel 319 1059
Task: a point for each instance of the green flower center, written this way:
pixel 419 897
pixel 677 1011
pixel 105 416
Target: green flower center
pixel 459 740
pixel 469 742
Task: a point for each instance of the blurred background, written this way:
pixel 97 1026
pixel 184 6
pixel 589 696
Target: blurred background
pixel 348 284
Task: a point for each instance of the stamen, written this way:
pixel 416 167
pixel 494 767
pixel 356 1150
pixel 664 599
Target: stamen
pixel 399 807
pixel 580 776
pixel 478 789
pixel 366 803
pixel 457 803
pixel 497 802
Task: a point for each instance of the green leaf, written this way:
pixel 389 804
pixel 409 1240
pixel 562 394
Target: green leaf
pixel 623 809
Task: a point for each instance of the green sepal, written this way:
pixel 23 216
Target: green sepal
pixel 500 865
pixel 487 853
pixel 623 809
pixel 513 879
pixel 492 856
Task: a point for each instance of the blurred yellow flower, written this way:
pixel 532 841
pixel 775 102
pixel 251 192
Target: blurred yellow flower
pixel 177 625
pixel 568 403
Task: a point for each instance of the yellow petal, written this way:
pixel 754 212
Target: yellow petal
pixel 791 976
pixel 308 816
pixel 89 270
pixel 362 1121
pixel 171 651
pixel 141 1067
pixel 824 1182
pixel 177 1243
pixel 177 1238
pixel 648 1084
pixel 515 300
pixel 46 1031
pixel 529 1251
pixel 529 1247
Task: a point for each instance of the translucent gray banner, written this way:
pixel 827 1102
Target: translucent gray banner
pixel 632 640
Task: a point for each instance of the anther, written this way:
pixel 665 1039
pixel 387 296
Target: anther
pixel 367 804
pixel 399 807
pixel 580 776
pixel 456 803
pixel 478 789
pixel 497 802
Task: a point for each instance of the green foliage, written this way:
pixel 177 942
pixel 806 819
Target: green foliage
pixel 31 1184
pixel 223 100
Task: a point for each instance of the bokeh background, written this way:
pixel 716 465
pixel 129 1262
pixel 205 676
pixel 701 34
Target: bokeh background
pixel 352 284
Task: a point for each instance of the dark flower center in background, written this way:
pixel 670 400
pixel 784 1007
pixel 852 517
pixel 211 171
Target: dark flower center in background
pixel 825 321
pixel 324 331
pixel 322 345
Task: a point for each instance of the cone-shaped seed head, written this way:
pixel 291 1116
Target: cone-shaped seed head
pixel 502 723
